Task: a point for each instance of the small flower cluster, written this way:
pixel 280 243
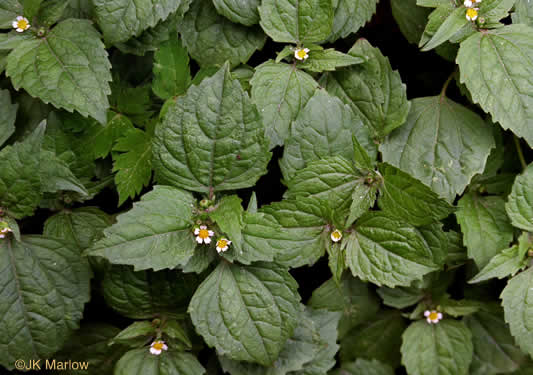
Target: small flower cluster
pixel 471 11
pixel 157 347
pixel 432 316
pixel 203 235
pixel 21 24
pixel 4 229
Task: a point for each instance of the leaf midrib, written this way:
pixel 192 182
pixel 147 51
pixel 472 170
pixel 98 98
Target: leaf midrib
pixel 19 293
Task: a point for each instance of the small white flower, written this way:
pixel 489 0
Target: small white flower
pixel 432 316
pixel 21 24
pixel 336 235
pixel 157 347
pixel 203 235
pixel 301 53
pixel 223 244
pixel 470 3
pixel 5 229
pixel 471 14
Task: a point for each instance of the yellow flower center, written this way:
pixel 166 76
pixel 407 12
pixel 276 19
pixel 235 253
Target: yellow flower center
pixel 301 53
pixel 22 24
pixel 158 345
pixel 336 234
pixel 433 315
pixel 203 234
pixel 471 13
pixel 222 243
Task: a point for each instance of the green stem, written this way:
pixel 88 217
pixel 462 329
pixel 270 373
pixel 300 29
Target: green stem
pixel 445 87
pixel 520 153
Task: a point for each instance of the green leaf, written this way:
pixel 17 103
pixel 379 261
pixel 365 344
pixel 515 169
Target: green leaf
pixel 13 225
pixel 300 349
pixel 495 10
pixel 378 338
pixel 365 367
pixel 263 304
pixel 485 226
pixel 363 198
pixel 326 323
pixel 437 349
pixel 453 23
pixel 31 7
pixel 52 11
pixel 323 128
pixel 134 164
pixel 212 40
pixel 386 251
pixel 68 68
pixel 457 254
pixel 523 12
pixel 458 308
pixel 280 91
pixel 243 73
pixel 406 197
pixel 328 60
pixel 203 256
pixel 172 75
pixel 228 215
pixel 442 144
pixel 169 362
pixel 20 181
pixel 152 38
pixel 518 205
pixel 45 287
pixel 7 116
pixel 351 297
pixel 330 182
pixel 350 16
pixel 147 294
pixel 435 20
pixel 79 9
pixel 239 11
pixel 56 175
pixel 131 102
pixel 295 231
pixel 90 344
pixel 495 67
pixel 494 348
pixel 212 139
pixel 174 330
pixel 361 158
pixel 373 90
pixel 156 233
pixel 336 260
pixel 410 18
pixel 517 302
pixel 9 10
pixel 507 263
pixel 133 332
pixel 100 139
pixel 258 232
pixel 80 227
pixel 400 297
pixel 122 19
pixel 295 21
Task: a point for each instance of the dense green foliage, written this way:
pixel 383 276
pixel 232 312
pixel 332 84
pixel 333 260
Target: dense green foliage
pixel 168 168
